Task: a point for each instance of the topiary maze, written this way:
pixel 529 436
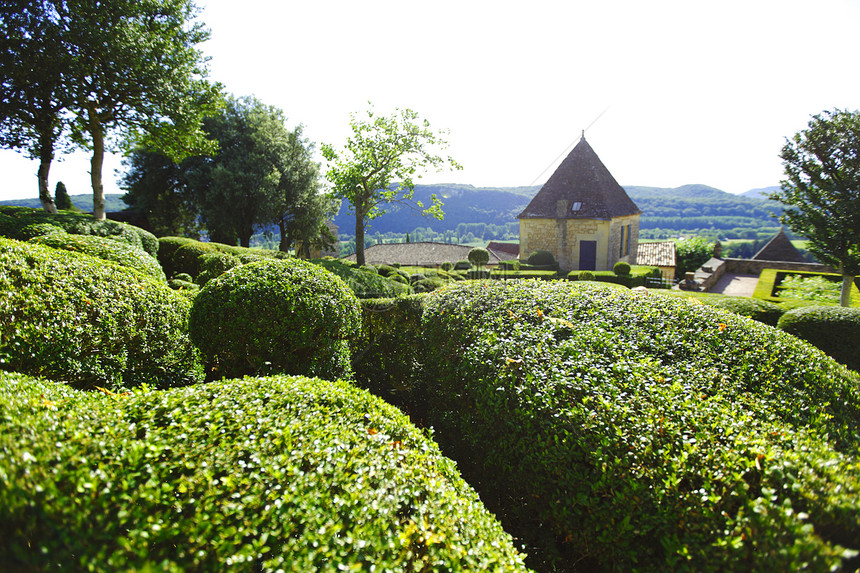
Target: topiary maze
pixel 608 430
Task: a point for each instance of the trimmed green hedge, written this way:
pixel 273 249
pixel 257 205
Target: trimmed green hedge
pixel 74 318
pixel 277 474
pixel 275 316
pixel 388 355
pixel 363 283
pixel 756 309
pixel 833 329
pixel 106 249
pixel 636 276
pixel 180 255
pixel 24 223
pixel 612 430
pixel 769 279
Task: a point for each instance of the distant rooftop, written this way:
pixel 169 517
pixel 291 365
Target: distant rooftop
pixel 779 248
pixel 656 254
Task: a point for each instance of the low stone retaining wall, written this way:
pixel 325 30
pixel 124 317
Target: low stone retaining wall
pixel 709 273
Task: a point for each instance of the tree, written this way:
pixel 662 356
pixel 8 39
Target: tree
pixel 690 254
pixel 249 182
pixel 157 190
pixel 378 163
pixel 821 191
pixel 33 99
pixel 136 70
pixel 479 257
pixel 61 197
pixel 302 211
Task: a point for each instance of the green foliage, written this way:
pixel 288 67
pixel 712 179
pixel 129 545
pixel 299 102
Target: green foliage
pixel 363 283
pixel 379 162
pixel 582 275
pixel 612 430
pixel 621 269
pixel 760 310
pixel 389 353
pixel 71 317
pixel 105 249
pixel 61 198
pixel 428 284
pixel 690 254
pixel 162 94
pixel 215 264
pixel 260 474
pixel 835 330
pixel 770 282
pixel 447 266
pixel 275 316
pixel 821 191
pixel 542 259
pixel 14 221
pixel 462 265
pixel 479 257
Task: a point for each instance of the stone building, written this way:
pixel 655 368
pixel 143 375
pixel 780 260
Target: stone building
pixel 582 216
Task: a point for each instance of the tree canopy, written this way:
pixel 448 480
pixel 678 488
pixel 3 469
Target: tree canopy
pixel 128 71
pixel 33 98
pixel 379 162
pixel 262 175
pixel 821 191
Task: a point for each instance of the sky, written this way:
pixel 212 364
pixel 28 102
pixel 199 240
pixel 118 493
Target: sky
pixel 670 92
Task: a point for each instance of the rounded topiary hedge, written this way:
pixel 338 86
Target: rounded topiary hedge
pixel 24 223
pixel 363 283
pixel 74 318
pixel 621 268
pixel 275 316
pixel 756 309
pixel 612 430
pixel 115 251
pixel 833 329
pixel 542 258
pixel 271 474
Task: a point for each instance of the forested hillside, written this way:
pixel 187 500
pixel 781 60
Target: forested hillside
pixel 476 214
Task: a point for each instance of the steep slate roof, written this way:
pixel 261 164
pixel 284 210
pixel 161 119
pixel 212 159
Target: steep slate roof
pixel 581 178
pixel 418 254
pixel 505 251
pixel 779 248
pixel 656 254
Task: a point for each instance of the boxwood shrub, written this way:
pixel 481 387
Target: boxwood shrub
pixel 78 319
pixel 118 252
pixel 833 329
pixel 21 223
pixel 756 309
pixel 275 316
pixel 612 430
pixel 364 284
pixel 275 474
pixel 388 355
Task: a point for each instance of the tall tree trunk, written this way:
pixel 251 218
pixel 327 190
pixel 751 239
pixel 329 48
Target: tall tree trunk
pixel 285 240
pixel 46 155
pixel 359 236
pixel 97 133
pixel 847 284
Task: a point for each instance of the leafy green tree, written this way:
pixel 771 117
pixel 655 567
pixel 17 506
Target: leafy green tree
pixel 136 70
pixel 33 100
pixel 61 197
pixel 821 191
pixel 379 162
pixel 302 210
pixel 479 257
pixel 247 183
pixel 156 188
pixel 690 254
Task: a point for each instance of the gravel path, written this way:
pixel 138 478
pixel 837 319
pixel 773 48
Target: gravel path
pixel 736 285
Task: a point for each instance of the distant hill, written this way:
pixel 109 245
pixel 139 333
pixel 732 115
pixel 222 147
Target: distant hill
pixel 685 207
pixel 760 193
pixel 84 202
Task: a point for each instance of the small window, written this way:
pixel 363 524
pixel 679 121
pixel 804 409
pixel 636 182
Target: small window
pixel 576 206
pixel 627 244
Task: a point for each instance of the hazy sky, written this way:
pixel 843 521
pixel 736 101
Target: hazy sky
pixel 689 91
